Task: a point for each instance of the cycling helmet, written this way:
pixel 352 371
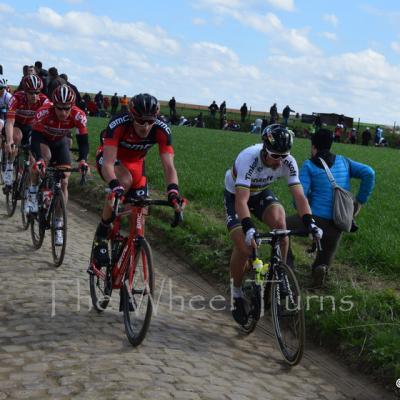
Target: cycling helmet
pixel 144 107
pixel 277 139
pixel 32 83
pixel 3 83
pixel 63 94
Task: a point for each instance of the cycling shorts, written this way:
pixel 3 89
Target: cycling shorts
pixel 136 169
pixel 60 154
pixel 26 131
pixel 257 205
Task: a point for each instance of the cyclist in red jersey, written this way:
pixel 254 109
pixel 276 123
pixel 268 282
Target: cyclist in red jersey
pixel 120 160
pixel 21 111
pixel 49 143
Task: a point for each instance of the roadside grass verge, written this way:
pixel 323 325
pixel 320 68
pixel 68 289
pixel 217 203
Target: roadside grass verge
pixel 366 273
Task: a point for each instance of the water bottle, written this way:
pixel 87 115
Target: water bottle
pixel 260 270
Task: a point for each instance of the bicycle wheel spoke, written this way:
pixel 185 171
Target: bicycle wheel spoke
pixel 137 294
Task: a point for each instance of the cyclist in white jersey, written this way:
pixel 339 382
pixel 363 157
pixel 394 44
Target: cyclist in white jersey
pixel 4 100
pixel 247 191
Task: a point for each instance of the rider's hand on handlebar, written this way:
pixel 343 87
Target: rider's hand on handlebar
pixel 84 167
pixel 312 227
pixel 116 188
pixel 39 166
pixel 174 198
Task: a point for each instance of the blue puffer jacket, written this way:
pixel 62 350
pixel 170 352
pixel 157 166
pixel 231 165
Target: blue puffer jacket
pixel 318 189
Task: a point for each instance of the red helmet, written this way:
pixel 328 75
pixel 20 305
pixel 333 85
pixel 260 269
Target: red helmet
pixel 32 83
pixel 63 94
pixel 144 107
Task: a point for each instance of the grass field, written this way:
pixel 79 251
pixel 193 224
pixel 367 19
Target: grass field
pixel 368 262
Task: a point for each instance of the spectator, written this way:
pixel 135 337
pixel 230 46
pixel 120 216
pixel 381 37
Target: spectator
pixel 243 112
pixel 213 107
pixel 114 104
pixel 379 139
pixel 92 108
pixel 124 103
pixel 86 98
pixel 273 114
pixel 78 99
pixel 172 110
pixel 338 132
pixel 366 136
pixel 317 122
pixel 99 100
pixel 106 103
pixel 200 121
pixel 53 81
pixel 26 70
pixel 222 114
pixel 318 190
pixel 352 136
pixel 286 114
pixel 256 126
pixel 42 73
pixel 182 121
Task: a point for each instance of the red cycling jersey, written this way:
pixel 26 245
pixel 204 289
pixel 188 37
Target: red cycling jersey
pixel 47 123
pixel 120 133
pixel 21 111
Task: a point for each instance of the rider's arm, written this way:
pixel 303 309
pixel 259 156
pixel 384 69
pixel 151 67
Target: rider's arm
pixel 167 161
pixel 83 145
pixel 242 196
pixel 300 200
pixel 109 157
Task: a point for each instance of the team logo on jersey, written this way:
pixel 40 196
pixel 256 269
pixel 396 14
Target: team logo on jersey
pixel 251 169
pixel 119 121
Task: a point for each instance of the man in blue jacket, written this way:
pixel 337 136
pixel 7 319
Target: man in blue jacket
pixel 319 193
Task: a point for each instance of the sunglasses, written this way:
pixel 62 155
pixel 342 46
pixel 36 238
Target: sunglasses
pixel 63 108
pixel 277 156
pixel 143 122
pixel 32 93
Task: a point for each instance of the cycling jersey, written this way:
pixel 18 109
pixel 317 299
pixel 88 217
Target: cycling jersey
pixel 120 133
pixel 47 123
pixel 250 172
pixel 4 101
pixel 21 111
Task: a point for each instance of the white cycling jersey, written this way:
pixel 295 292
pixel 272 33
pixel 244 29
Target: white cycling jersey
pixel 250 172
pixel 5 99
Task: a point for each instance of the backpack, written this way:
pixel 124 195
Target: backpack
pixel 343 203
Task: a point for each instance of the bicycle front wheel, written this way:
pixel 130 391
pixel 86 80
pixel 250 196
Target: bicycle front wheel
pixel 137 293
pixel 288 314
pixel 58 225
pixel 12 192
pixel 24 198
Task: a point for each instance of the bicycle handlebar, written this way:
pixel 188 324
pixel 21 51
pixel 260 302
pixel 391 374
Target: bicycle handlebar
pixel 144 202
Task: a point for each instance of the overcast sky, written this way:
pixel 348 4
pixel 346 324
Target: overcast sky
pixel 315 55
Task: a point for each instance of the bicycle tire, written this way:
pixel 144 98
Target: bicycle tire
pixel 288 319
pixel 12 194
pixel 132 299
pixel 2 163
pixel 38 227
pixel 252 293
pixel 23 193
pixel 100 289
pixel 57 205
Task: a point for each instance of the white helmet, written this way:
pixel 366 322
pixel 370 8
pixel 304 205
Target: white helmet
pixel 3 83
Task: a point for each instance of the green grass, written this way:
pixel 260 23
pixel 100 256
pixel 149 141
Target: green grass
pixel 367 262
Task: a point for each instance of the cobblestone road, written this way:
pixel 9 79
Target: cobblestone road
pixel 63 349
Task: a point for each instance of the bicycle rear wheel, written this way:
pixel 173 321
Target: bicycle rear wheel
pixel 58 227
pixel 24 193
pixel 100 288
pixel 288 314
pixel 137 293
pixel 38 227
pixel 252 293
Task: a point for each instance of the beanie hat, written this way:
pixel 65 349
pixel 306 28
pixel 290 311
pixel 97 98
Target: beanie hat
pixel 322 139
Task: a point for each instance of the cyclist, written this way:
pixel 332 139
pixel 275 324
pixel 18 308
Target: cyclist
pixel 5 97
pixel 50 130
pixel 120 160
pixel 21 111
pixel 247 191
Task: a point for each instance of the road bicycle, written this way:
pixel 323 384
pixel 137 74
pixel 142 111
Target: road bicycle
pixel 274 286
pixel 131 269
pixel 52 213
pixel 20 181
